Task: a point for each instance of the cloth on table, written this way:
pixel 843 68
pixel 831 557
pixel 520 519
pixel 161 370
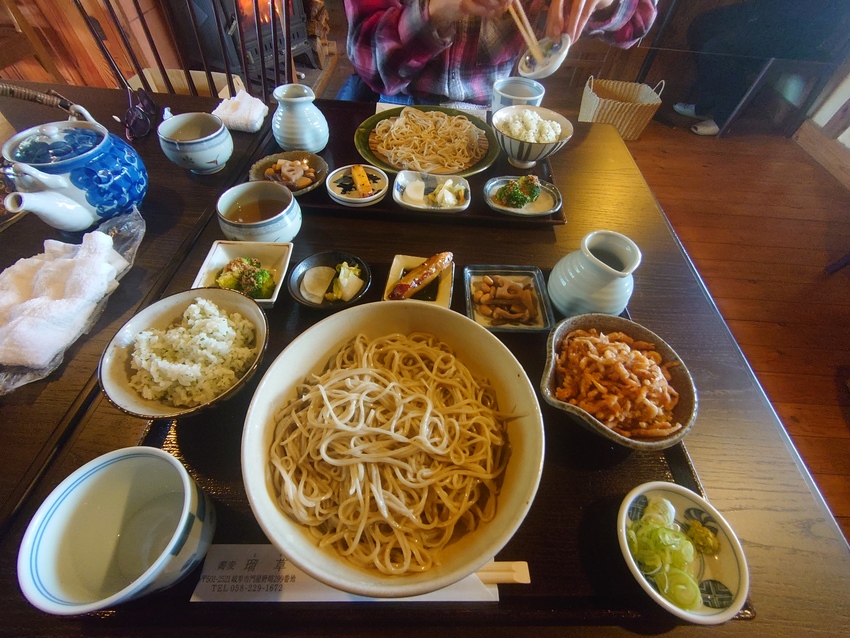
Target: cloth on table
pixel 242 113
pixel 46 300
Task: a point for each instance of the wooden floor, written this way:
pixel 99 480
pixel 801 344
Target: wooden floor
pixel 760 219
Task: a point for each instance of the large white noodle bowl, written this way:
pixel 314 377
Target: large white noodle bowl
pixel 484 355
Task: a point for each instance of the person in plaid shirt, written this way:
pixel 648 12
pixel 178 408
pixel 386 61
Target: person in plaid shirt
pixel 445 51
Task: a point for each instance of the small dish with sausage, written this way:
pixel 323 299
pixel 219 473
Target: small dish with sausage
pixel 428 279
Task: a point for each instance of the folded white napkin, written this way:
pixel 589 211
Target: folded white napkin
pixel 46 300
pixel 242 113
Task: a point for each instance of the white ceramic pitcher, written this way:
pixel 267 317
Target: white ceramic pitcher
pixel 298 124
pixel 597 277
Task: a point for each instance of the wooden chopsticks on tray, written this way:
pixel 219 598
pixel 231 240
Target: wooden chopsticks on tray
pixel 496 572
pixel 524 26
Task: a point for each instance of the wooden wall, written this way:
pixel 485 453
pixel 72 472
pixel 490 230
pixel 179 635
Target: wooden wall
pixel 66 35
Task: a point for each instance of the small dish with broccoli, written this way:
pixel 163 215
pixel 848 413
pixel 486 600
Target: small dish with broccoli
pixel 525 196
pixel 256 269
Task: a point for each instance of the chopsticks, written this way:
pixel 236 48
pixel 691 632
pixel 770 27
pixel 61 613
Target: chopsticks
pixel 494 573
pixel 524 26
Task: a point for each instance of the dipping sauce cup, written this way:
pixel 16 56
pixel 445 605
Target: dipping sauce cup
pixel 199 142
pixel 128 523
pixel 259 211
pixel 517 92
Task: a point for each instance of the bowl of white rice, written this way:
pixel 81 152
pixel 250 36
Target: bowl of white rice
pixel 183 353
pixel 529 134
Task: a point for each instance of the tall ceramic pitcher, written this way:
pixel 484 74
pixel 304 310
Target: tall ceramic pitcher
pixel 597 277
pixel 298 124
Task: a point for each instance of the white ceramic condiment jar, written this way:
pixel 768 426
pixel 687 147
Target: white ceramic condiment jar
pixel 597 277
pixel 298 124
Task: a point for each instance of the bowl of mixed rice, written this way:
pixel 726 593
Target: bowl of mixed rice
pixel 529 134
pixel 183 353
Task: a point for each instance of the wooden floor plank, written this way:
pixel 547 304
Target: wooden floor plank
pixel 828 421
pixel 761 219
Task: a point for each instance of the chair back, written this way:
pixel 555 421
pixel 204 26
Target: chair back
pixel 211 47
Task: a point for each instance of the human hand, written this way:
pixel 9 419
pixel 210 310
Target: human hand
pixel 445 11
pixel 571 19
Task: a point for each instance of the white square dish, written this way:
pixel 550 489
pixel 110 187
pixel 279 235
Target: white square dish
pixel 273 256
pixel 445 282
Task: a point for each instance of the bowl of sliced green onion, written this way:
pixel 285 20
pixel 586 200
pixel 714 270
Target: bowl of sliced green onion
pixel 683 553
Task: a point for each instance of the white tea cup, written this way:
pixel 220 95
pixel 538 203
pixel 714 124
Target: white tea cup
pixel 199 142
pixel 516 91
pixel 128 523
pixel 259 211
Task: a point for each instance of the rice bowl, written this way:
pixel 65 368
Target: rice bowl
pixel 193 362
pixel 206 360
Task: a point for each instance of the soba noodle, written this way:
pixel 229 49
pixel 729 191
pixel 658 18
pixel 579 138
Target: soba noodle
pixel 429 141
pixel 390 452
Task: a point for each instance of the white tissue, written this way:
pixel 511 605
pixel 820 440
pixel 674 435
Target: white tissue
pixel 46 301
pixel 242 113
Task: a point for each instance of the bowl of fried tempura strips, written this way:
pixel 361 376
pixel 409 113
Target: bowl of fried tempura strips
pixel 619 380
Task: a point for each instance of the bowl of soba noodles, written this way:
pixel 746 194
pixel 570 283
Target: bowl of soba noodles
pixel 392 450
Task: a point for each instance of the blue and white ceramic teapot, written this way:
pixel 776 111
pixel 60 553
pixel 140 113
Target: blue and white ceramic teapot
pixel 73 174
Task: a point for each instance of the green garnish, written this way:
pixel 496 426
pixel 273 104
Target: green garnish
pixel 246 275
pixel 665 554
pixel 704 539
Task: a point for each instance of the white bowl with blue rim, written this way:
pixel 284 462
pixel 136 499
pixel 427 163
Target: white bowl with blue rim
pixel 723 578
pixel 513 91
pixel 199 142
pixel 126 524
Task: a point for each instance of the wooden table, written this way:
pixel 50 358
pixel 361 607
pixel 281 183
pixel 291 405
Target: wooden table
pixel 799 561
pixel 39 417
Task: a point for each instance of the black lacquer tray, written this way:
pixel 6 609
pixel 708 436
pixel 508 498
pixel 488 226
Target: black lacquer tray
pixel 578 575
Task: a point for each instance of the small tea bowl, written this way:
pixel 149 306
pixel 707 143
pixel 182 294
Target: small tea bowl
pixel 126 524
pixel 259 211
pixel 513 91
pixel 199 142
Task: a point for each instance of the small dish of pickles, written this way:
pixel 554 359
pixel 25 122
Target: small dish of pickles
pixel 299 171
pixel 507 298
pixel 330 281
pixel 434 193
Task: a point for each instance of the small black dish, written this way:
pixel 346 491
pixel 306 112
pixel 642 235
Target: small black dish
pixel 331 259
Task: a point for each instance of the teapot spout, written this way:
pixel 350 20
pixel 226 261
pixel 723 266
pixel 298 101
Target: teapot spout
pixel 54 209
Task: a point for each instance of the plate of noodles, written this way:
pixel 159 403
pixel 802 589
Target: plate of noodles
pixel 593 358
pixel 458 418
pixel 429 139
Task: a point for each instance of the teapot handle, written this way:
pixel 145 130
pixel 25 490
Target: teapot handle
pixel 79 113
pixel 21 93
pixel 76 111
